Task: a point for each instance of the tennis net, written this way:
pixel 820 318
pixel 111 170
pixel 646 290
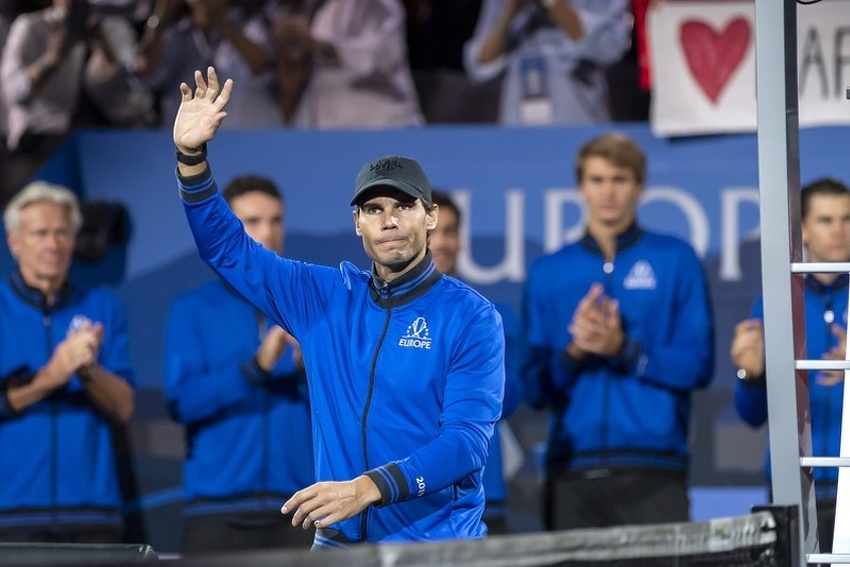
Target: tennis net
pixel 754 540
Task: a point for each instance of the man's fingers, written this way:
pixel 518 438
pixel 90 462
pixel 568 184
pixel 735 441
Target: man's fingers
pixel 742 326
pixel 185 92
pixel 293 503
pixel 200 84
pixel 748 326
pixel 612 312
pixel 224 96
pixel 830 377
pixel 322 504
pixel 589 299
pixel 301 504
pixel 212 81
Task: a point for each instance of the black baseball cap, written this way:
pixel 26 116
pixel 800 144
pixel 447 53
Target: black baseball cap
pixel 399 172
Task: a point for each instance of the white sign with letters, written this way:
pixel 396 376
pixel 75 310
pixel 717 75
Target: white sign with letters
pixel 703 62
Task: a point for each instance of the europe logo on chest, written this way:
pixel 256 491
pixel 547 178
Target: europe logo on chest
pixel 417 335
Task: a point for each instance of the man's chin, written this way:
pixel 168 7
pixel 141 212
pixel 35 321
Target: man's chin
pixel 396 262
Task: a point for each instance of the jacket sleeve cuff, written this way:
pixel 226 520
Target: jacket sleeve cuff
pixel 196 188
pixel 567 363
pixel 6 410
pixel 629 355
pixel 754 382
pixel 252 371
pixel 390 482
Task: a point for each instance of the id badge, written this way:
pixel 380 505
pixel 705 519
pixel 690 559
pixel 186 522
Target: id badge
pixel 535 102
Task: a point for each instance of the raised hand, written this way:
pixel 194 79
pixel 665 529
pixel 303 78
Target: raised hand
pixel 201 112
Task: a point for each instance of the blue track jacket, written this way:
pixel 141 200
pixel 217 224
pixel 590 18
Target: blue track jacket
pixel 406 380
pixel 634 410
pixel 248 439
pixel 56 456
pixel 825 306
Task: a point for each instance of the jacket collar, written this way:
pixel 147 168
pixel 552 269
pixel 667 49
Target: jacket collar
pixel 35 297
pixel 841 282
pixel 625 239
pixel 408 287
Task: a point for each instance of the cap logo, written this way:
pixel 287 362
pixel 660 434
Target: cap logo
pixel 386 165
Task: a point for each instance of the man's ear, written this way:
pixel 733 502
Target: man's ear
pixel 433 217
pixel 12 243
pixel 356 217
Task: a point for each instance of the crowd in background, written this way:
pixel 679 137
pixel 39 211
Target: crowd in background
pixel 68 64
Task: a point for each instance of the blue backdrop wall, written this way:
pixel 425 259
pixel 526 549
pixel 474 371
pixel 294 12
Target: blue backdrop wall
pixel 517 189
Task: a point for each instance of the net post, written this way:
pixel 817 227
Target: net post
pixel 788 533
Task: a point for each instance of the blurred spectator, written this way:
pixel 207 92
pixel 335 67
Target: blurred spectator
pixel 446 94
pixel 52 57
pixel 293 57
pixel 182 36
pixel 110 83
pixel 10 9
pixel 453 21
pixel 237 383
pixel 444 243
pixel 554 54
pixel 825 216
pixel 7 15
pixel 40 80
pixel 350 59
pixel 628 79
pixel 619 334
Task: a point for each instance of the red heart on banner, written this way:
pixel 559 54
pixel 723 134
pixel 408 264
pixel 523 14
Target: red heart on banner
pixel 712 57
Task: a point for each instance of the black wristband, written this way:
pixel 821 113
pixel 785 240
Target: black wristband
pixel 255 374
pixel 193 159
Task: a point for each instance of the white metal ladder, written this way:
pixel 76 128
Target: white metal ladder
pixel 791 457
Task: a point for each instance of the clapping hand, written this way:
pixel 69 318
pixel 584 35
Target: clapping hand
pixel 838 352
pixel 747 350
pixel 596 326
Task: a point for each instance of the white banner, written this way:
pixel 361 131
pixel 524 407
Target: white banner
pixel 703 62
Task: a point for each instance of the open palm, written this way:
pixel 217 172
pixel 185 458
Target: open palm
pixel 201 111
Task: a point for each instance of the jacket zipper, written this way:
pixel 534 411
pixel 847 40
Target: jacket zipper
pixel 826 397
pixel 48 325
pixel 608 270
pixel 365 517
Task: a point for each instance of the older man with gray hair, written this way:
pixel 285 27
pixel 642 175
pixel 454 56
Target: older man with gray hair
pixel 65 377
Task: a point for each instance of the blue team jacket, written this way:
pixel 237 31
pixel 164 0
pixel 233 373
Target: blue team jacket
pixel 56 457
pixel 248 437
pixel 632 411
pixel 825 305
pixel 406 380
